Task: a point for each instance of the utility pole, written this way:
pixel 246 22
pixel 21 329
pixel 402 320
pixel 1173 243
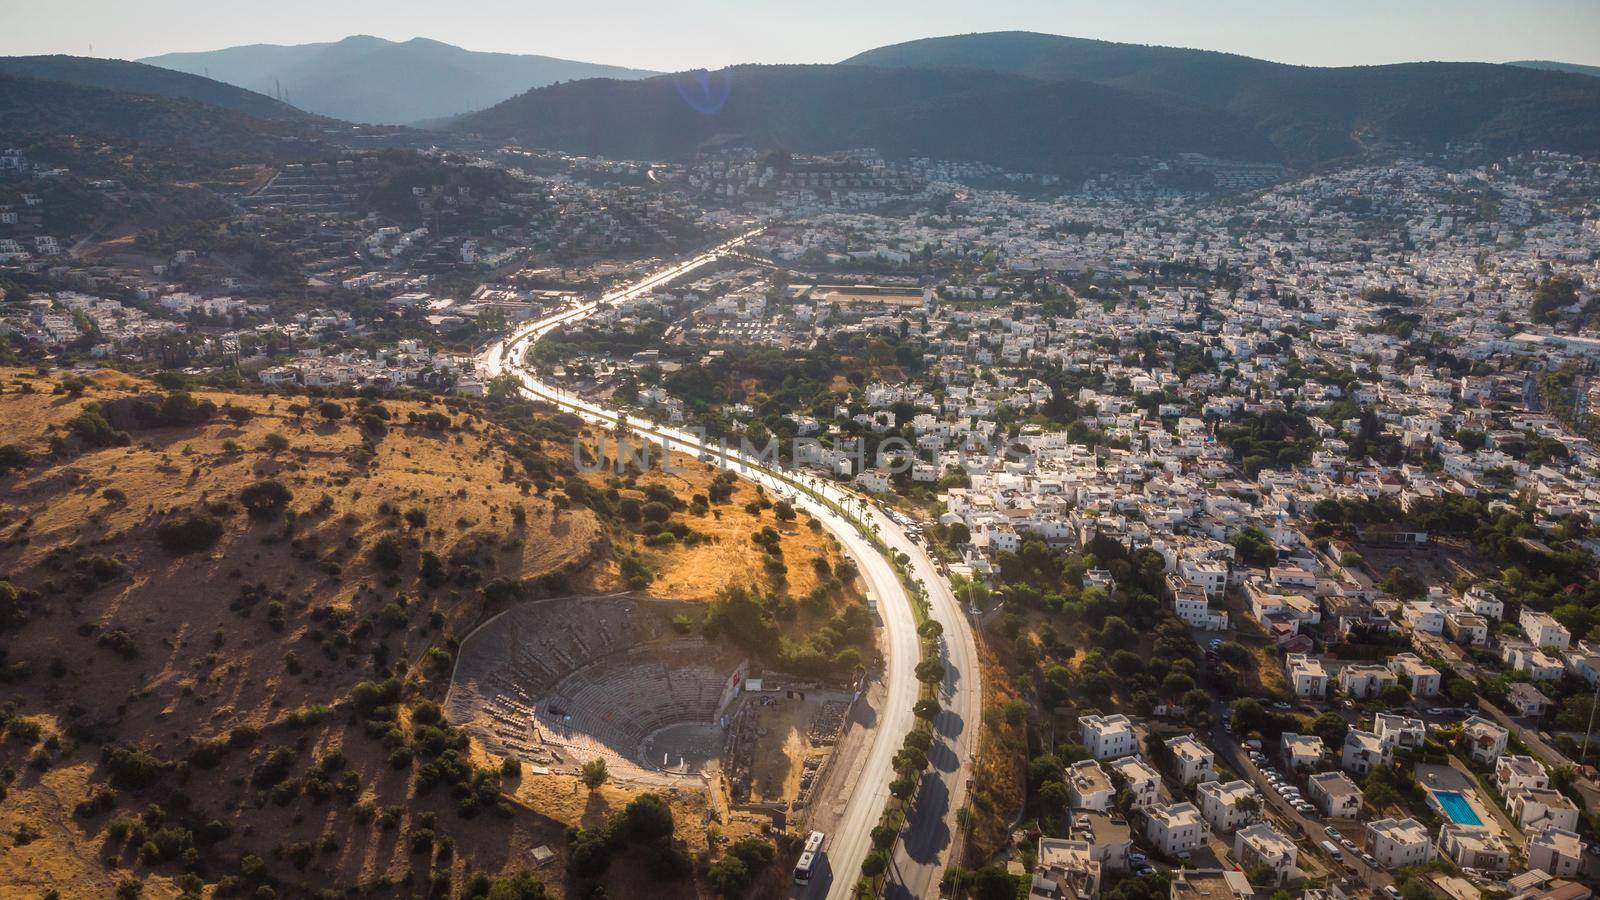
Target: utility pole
pixel 1584 755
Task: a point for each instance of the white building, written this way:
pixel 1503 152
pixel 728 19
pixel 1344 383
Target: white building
pixel 1089 786
pixel 1402 731
pixel 1194 761
pixel 1108 737
pixel 1364 751
pixel 1307 675
pixel 1485 740
pixel 1139 779
pixel 1261 845
pixel 1515 773
pixel 1397 843
pixel 1175 830
pixel 1535 809
pixel 1474 846
pixel 1335 794
pixel 1365 680
pixel 1556 851
pixel 1301 751
pixel 1225 806
pixel 1543 630
pixel 1421 679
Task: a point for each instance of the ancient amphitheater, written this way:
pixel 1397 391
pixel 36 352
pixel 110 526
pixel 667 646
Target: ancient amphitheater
pixel 559 682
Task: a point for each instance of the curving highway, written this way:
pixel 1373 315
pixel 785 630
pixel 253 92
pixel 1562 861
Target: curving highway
pixel 927 841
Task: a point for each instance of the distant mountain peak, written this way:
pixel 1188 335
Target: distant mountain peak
pixel 362 78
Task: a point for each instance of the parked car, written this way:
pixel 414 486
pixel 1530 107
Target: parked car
pixel 1392 892
pixel 1369 860
pixel 1333 833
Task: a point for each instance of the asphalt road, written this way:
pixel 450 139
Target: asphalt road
pixel 928 839
pixel 1229 751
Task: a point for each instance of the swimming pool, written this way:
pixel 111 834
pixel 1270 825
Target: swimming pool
pixel 1454 805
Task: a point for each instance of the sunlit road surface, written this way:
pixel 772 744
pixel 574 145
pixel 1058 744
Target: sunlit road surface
pixel 925 849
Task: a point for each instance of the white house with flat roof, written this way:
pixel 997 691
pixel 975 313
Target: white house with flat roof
pixel 1485 740
pixel 1362 681
pixel 1225 806
pixel 1066 870
pixel 1089 787
pixel 1261 845
pixel 1139 779
pixel 1402 731
pixel 1177 829
pixel 1556 851
pixel 1335 794
pixel 1397 843
pixel 1535 809
pixel 1108 737
pixel 1301 751
pixel 1363 751
pixel 1484 602
pixel 1474 846
pixel 1421 679
pixel 1543 630
pixel 1194 761
pixel 1515 773
pixel 1307 675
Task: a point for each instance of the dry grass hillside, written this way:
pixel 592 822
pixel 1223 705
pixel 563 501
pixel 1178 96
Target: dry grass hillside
pixel 226 618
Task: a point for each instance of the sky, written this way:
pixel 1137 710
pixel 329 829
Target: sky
pixel 672 35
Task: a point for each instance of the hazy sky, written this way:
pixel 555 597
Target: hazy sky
pixel 679 34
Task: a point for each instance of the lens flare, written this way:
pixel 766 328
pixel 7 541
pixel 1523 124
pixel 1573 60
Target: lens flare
pixel 705 92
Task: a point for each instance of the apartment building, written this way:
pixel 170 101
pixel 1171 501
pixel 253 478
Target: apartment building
pixel 1535 809
pixel 1066 870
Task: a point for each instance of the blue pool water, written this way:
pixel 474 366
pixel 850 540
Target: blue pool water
pixel 1457 808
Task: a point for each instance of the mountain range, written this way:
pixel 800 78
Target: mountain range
pixel 121 75
pixel 100 130
pixel 1012 121
pixel 1310 114
pixel 1552 66
pixel 1022 101
pixel 369 79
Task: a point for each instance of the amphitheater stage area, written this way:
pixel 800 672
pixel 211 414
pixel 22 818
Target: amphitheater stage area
pixel 559 682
